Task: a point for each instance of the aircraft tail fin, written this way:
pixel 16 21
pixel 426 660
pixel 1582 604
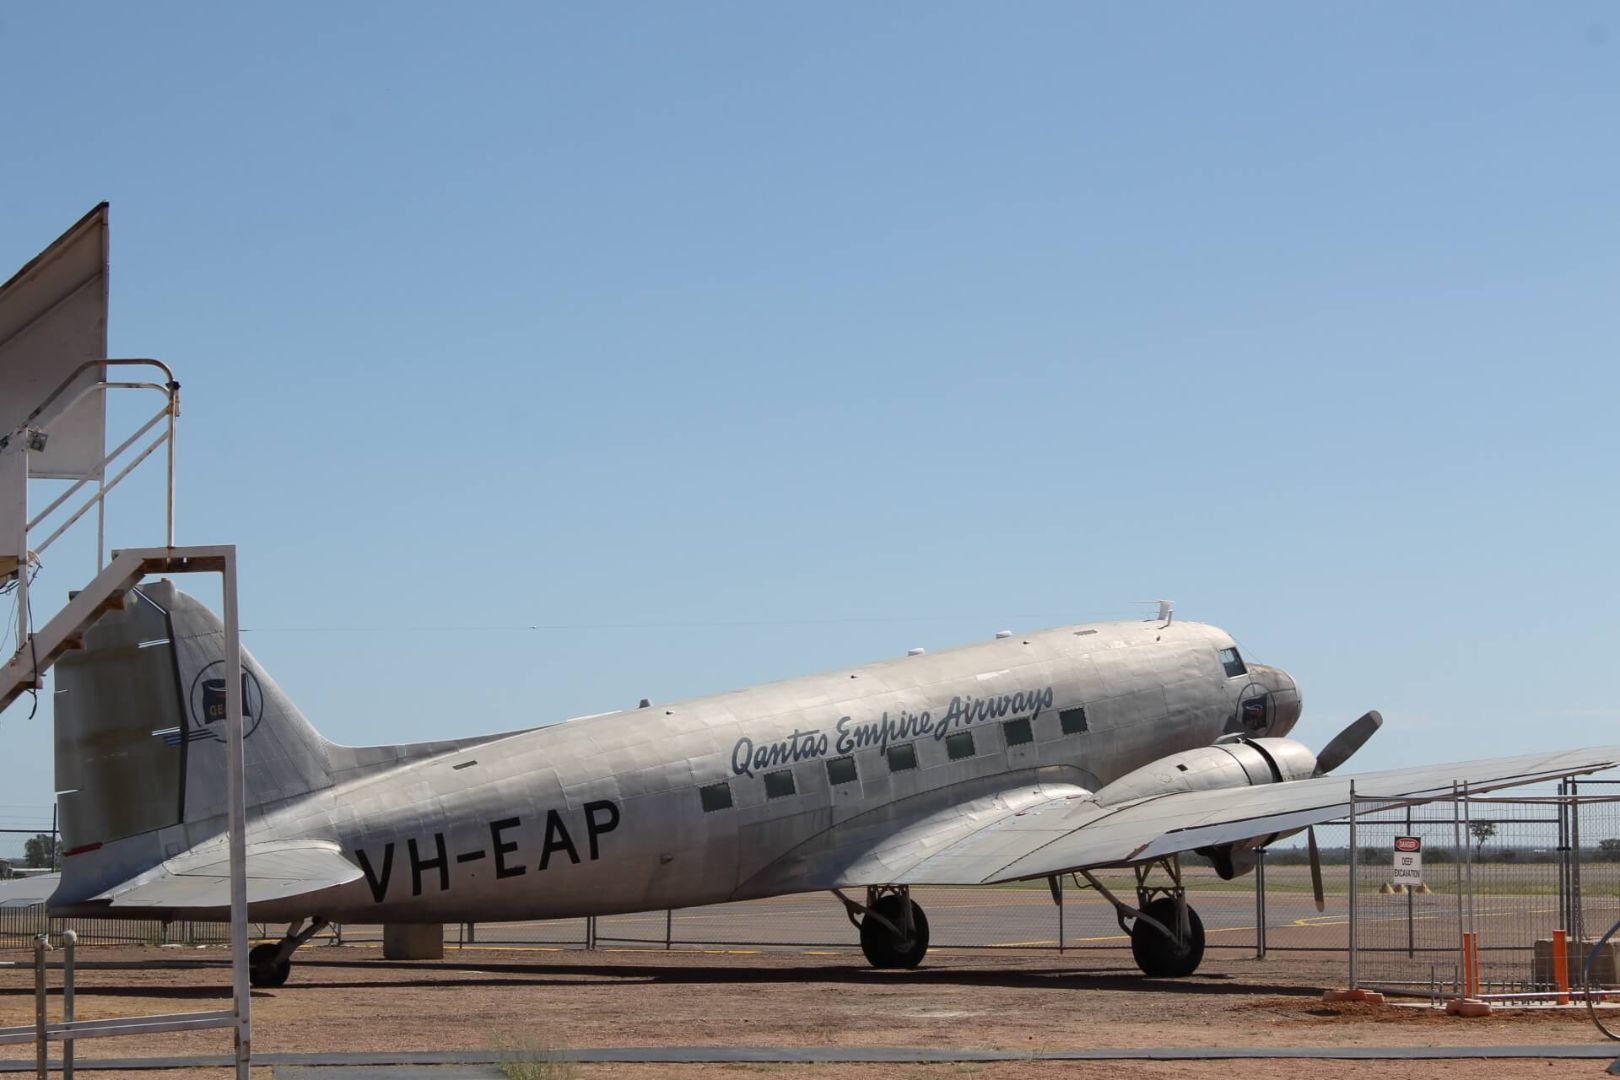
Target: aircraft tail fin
pixel 140 745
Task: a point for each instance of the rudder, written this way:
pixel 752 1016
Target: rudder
pixel 140 744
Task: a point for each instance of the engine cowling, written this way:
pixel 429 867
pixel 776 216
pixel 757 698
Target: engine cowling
pixel 1238 763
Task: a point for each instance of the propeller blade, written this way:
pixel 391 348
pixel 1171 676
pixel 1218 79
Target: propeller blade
pixel 1316 869
pixel 1347 742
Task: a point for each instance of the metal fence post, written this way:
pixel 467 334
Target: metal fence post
pixel 69 942
pixel 1564 921
pixel 1354 924
pixel 1411 932
pixel 1259 903
pixel 669 928
pixel 42 1064
pixel 1576 905
pixel 1472 931
pixel 1458 854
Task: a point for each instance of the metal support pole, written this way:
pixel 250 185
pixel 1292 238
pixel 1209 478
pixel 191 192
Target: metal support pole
pixel 1468 887
pixel 669 928
pixel 1564 920
pixel 235 775
pixel 1355 923
pixel 1458 854
pixel 70 941
pixel 21 541
pixel 1576 906
pixel 174 416
pixel 1411 933
pixel 1259 903
pixel 42 1062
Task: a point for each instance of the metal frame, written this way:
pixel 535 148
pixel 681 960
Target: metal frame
pixel 219 559
pixel 26 553
pixel 64 630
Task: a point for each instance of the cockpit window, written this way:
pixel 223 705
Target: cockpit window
pixel 1233 663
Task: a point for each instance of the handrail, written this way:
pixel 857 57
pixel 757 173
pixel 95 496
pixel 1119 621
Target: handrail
pixel 133 361
pixel 169 387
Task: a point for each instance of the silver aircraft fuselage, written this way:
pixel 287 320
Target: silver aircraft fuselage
pixel 711 799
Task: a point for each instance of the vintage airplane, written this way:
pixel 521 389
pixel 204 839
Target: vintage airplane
pixel 1119 744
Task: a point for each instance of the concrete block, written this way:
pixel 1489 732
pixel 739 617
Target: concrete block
pixel 413 941
pixel 1605 969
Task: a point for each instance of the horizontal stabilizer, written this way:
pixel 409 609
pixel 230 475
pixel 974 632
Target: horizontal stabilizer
pixel 276 869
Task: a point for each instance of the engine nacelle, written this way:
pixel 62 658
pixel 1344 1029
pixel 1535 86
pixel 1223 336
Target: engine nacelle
pixel 1231 860
pixel 1239 763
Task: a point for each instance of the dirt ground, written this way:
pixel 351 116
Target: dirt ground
pixel 349 999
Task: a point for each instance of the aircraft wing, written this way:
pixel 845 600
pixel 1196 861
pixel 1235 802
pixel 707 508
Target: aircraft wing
pixel 1007 838
pixel 201 878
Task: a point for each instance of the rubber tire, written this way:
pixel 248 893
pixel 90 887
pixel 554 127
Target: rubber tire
pixel 1160 957
pixel 264 972
pixel 879 943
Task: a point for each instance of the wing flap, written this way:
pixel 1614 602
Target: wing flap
pixel 201 878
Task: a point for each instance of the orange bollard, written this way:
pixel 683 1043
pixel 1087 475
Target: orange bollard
pixel 1560 959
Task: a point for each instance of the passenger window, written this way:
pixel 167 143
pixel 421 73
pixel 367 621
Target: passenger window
pixel 1233 663
pixel 902 757
pixel 1018 732
pixel 960 745
pixel 779 783
pixel 1074 720
pixel 841 770
pixel 715 797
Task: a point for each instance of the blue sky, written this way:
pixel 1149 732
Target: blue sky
pixel 543 358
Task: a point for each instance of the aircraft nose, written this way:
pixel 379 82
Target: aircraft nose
pixel 1284 700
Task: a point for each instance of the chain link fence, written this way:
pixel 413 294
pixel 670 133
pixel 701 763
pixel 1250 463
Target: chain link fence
pixel 1503 879
pixel 1511 870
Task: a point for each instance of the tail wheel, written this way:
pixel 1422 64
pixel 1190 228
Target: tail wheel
pixel 265 971
pixel 1161 957
pixel 882 946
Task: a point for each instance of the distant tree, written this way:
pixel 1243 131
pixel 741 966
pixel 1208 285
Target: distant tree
pixel 39 852
pixel 1610 849
pixel 1482 831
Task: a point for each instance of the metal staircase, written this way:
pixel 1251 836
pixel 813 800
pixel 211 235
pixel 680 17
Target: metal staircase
pixel 105 592
pixel 38 648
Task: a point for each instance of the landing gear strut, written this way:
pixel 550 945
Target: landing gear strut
pixel 270 964
pixel 1167 936
pixel 894 930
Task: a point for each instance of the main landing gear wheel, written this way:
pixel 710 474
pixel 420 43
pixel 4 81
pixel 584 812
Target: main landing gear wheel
pixel 1162 957
pixel 885 948
pixel 270 964
pixel 267 968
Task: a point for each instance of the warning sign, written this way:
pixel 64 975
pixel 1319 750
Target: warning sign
pixel 1408 860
